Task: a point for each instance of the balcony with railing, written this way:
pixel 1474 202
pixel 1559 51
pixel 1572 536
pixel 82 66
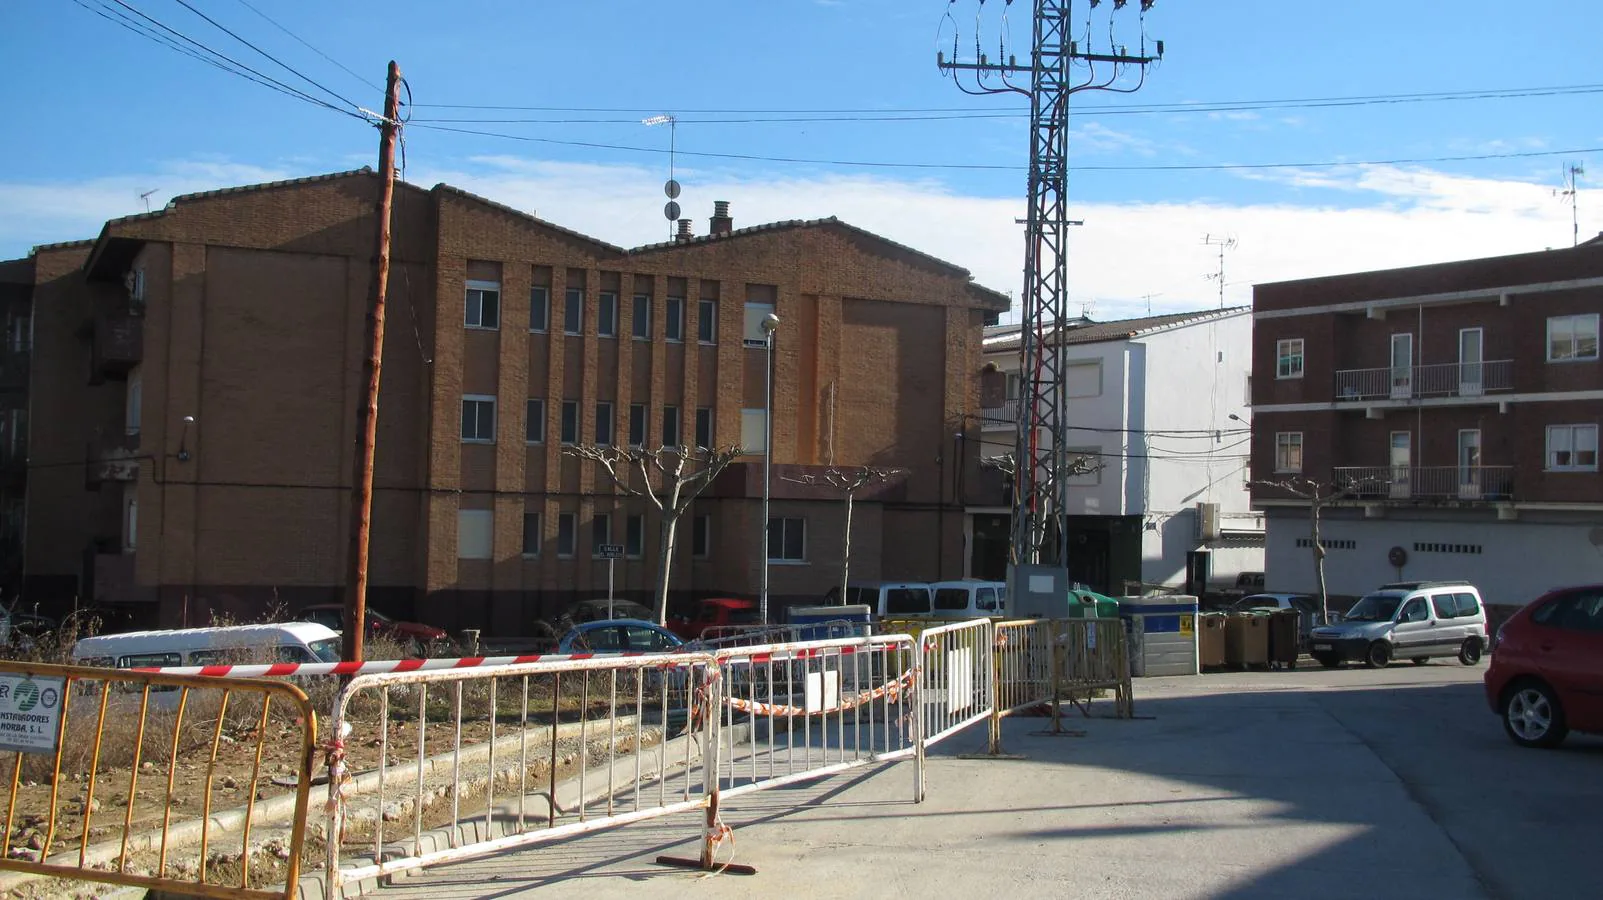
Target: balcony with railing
pixel 114 458
pixel 1000 418
pixel 117 343
pixel 1464 380
pixel 1426 483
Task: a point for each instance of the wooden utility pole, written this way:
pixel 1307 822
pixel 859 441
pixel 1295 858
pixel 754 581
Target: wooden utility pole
pixel 367 412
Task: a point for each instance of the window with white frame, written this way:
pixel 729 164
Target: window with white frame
pixel 607 314
pixel 604 424
pixel 567 531
pixel 1572 338
pixel 539 308
pixel 640 327
pixel 670 426
pixel 787 539
pixel 674 321
pixel 534 421
pixel 1288 358
pixel 483 304
pixel 634 536
pixel 1288 451
pixel 701 536
pixel 753 430
pixel 573 311
pixel 637 424
pixel 531 534
pixel 570 422
pixel 478 419
pixel 704 426
pixel 1572 448
pixel 753 333
pixel 1082 378
pixel 707 321
pixel 475 530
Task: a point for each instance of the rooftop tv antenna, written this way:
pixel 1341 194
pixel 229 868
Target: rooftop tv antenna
pixel 670 187
pixel 1223 243
pixel 1572 196
pixel 146 197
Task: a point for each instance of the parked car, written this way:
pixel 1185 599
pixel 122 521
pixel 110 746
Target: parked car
pixel 1546 678
pixel 1416 620
pixel 597 608
pixel 968 599
pixel 887 599
pixel 1306 606
pixel 416 634
pixel 301 642
pixel 715 612
pixel 619 635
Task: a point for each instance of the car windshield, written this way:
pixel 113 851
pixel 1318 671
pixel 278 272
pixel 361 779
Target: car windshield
pixel 326 650
pixel 1375 608
pixel 1258 603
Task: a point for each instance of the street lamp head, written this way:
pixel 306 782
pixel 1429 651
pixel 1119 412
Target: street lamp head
pixel 1235 418
pixel 189 420
pixel 770 323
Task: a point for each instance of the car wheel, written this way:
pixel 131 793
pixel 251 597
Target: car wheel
pixel 1532 716
pixel 1420 660
pixel 1329 662
pixel 1470 653
pixel 1379 655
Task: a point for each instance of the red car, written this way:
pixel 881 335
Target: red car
pixel 715 611
pixel 414 633
pixel 1546 676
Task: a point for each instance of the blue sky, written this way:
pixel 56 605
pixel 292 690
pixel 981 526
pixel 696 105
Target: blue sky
pixel 100 115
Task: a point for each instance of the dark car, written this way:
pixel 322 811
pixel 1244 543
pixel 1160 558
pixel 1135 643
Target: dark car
pixel 1546 676
pixel 619 635
pixel 595 609
pixel 416 634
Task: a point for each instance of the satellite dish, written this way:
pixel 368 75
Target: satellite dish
pixel 671 211
pixel 671 188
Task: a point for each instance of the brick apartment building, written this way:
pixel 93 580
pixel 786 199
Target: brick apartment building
pixel 16 314
pixel 209 356
pixel 1458 404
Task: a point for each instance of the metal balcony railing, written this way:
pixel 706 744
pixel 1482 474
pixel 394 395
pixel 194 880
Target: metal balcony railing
pixel 1427 482
pixel 1440 380
pixel 1005 416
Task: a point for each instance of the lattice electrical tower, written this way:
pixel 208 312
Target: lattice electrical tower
pixel 1060 64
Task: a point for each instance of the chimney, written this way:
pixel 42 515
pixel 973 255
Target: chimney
pixel 684 233
pixel 720 223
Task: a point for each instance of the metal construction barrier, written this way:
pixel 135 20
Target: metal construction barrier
pixel 717 637
pixel 85 739
pixel 957 678
pixel 795 712
pixel 1094 656
pixel 514 752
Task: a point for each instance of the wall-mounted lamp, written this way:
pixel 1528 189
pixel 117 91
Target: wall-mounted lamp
pixel 183 436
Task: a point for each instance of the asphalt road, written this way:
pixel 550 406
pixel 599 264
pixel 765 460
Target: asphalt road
pixel 1307 784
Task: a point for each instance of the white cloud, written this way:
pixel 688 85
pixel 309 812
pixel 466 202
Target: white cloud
pixel 1324 222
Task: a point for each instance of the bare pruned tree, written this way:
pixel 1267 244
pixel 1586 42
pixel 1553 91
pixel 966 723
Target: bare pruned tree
pixel 671 478
pixel 1046 487
pixel 848 481
pixel 1318 494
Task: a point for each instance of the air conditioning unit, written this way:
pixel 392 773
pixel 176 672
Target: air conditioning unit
pixel 1208 521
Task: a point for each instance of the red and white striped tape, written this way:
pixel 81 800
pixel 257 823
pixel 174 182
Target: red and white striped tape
pixel 380 665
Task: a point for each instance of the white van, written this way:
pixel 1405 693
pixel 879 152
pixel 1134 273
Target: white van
pixel 890 599
pixel 303 642
pixel 968 599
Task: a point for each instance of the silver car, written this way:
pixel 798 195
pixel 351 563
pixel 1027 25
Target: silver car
pixel 1417 621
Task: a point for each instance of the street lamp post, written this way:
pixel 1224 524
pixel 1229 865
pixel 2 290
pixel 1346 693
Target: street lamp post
pixel 770 326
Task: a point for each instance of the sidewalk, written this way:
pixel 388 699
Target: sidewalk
pixel 1226 793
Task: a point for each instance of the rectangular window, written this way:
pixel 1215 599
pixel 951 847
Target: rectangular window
pixel 567 529
pixel 641 326
pixel 634 536
pixel 604 424
pixel 478 419
pixel 1288 451
pixel 573 312
pixel 704 427
pixel 675 322
pixel 607 315
pixel 1572 448
pixel 474 530
pixel 1082 378
pixel 701 536
pixel 539 308
pixel 600 532
pixel 707 321
pixel 753 332
pixel 570 421
pixel 1288 358
pixel 753 430
pixel 787 539
pixel 1572 338
pixel 670 426
pixel 534 422
pixel 637 424
pixel 483 305
pixel 531 535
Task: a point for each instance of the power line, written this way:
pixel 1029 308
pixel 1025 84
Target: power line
pixel 347 70
pixel 997 167
pixel 1112 109
pixel 280 63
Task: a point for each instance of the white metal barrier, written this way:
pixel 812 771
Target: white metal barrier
pixel 957 677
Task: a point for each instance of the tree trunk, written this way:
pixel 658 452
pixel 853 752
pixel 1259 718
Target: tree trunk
pixel 1319 562
pixel 670 524
pixel 846 550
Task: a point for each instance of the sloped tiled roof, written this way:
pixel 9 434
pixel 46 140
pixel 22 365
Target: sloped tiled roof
pixel 1084 331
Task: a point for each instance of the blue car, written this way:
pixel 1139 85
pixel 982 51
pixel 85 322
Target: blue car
pixel 615 635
